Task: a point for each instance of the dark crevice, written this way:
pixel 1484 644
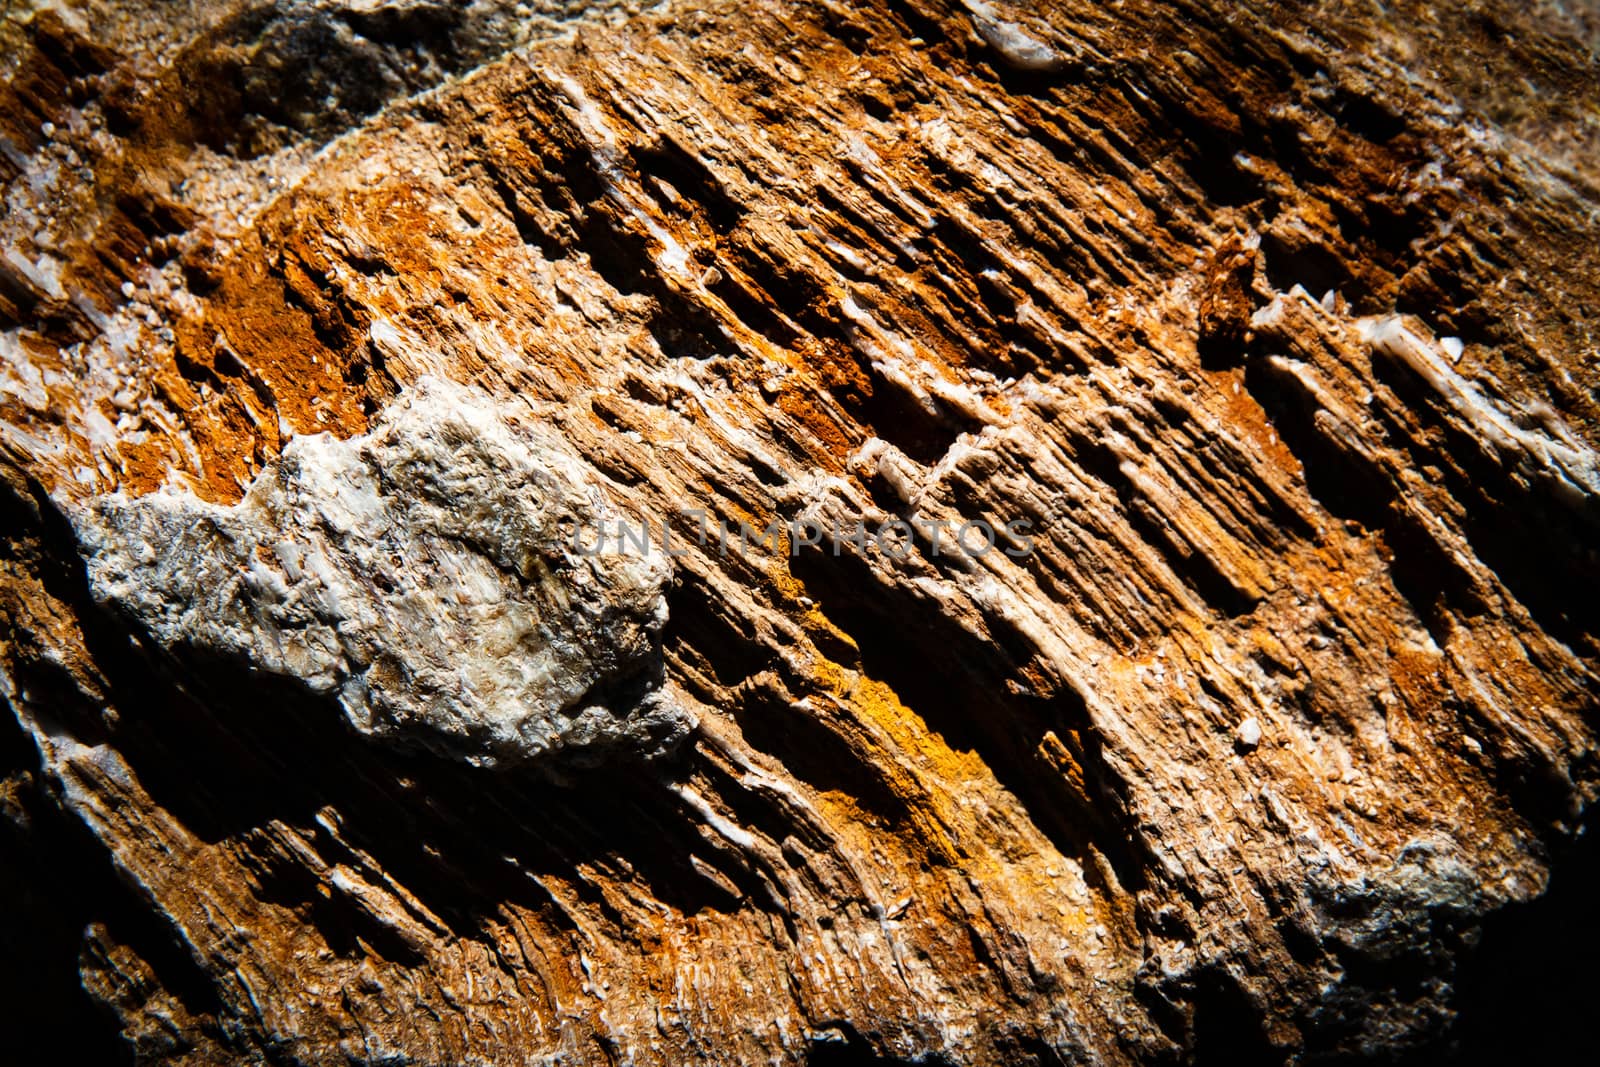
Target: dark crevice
pixel 755 313
pixel 973 691
pixel 1541 546
pixel 1424 572
pixel 1369 118
pixel 1430 579
pixel 1227 1026
pixel 1191 565
pixel 1209 153
pixel 696 621
pixel 669 161
pixel 1335 476
pixel 54 881
pixel 890 411
pixel 1524 994
pixel 1293 259
pixel 618 255
pixel 845 1046
pixel 814 752
pixel 56 878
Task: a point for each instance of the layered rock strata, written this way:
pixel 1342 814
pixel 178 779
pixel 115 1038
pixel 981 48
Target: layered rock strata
pixel 1261 336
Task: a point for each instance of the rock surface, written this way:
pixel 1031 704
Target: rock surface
pixel 1271 326
pixel 443 574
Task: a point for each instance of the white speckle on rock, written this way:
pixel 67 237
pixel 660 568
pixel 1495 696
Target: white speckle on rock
pixel 1249 734
pixel 421 575
pixel 1019 49
pixel 1268 316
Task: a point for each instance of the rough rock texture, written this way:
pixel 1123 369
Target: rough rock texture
pixel 1275 321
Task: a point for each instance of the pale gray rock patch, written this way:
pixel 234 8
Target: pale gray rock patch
pixel 423 575
pixel 1019 49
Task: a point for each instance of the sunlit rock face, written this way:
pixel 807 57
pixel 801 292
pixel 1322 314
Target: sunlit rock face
pixel 1270 327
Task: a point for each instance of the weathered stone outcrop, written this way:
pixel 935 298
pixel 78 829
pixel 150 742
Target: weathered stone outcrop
pixel 1259 337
